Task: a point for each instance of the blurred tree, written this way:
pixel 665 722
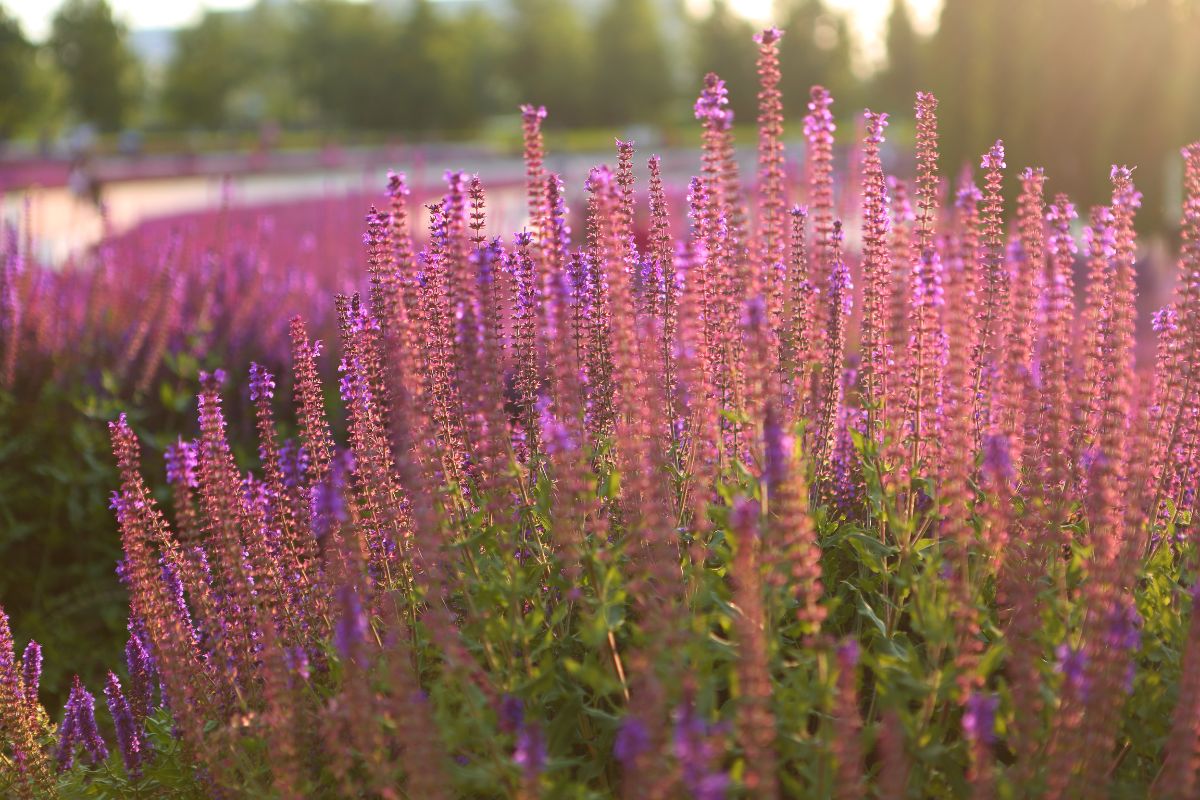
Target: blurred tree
pixel 724 44
pixel 899 80
pixel 441 53
pixel 815 49
pixel 209 63
pixel 633 79
pixel 16 76
pixel 550 60
pixel 481 54
pixel 340 56
pixel 90 48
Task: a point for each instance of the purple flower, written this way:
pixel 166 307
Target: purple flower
pixel 262 383
pixel 1124 628
pixel 512 713
pixel 848 653
pixel 1072 665
pixel 768 36
pixel 997 460
pixel 129 738
pixel 994 158
pixel 631 742
pixel 141 677
pixel 31 671
pixel 1165 320
pixel 713 103
pixel 818 123
pixel 182 464
pixel 698 756
pixel 777 449
pixel 979 718
pixel 350 631
pixel 78 728
pixel 530 753
pixel 532 114
pixel 397 186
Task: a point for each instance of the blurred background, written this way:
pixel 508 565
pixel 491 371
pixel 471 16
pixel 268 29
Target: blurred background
pixel 130 128
pixel 1076 85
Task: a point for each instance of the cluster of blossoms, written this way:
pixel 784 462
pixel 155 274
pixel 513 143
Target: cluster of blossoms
pixel 222 281
pixel 729 509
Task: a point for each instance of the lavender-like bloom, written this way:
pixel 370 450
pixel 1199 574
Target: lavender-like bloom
pixel 713 104
pixel 31 671
pixel 530 752
pixel 777 447
pixel 79 728
pixel 697 756
pixel 328 501
pixel 848 653
pixel 182 464
pixel 396 185
pixel 350 631
pixel 818 123
pixel 631 742
pixel 512 713
pixel 1124 628
pixel 994 158
pixel 293 463
pixel 1072 665
pixel 979 718
pixel 1165 320
pixel 262 383
pixel 129 738
pixel 532 114
pixel 997 459
pixel 141 677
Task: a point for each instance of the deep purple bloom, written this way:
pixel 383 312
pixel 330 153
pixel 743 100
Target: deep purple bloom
pixel 396 184
pixel 1072 665
pixel 631 742
pixel 1124 628
pixel 512 713
pixel 533 114
pixel 848 653
pixel 129 737
pixel 78 728
pixel 1165 320
pixel 713 103
pixel 182 463
pixel 530 753
pixel 777 449
pixel 997 460
pixel 994 158
pixel 979 718
pixel 31 671
pixel 350 631
pixel 141 677
pixel 262 383
pixel 698 756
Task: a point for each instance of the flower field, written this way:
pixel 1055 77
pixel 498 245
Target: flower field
pixel 842 484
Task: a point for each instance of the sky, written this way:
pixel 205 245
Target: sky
pixel 868 16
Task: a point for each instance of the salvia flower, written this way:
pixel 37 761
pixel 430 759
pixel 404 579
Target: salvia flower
pixel 141 676
pixel 129 737
pixel 79 729
pixel 631 742
pixel 530 752
pixel 712 106
pixel 979 718
pixel 31 671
